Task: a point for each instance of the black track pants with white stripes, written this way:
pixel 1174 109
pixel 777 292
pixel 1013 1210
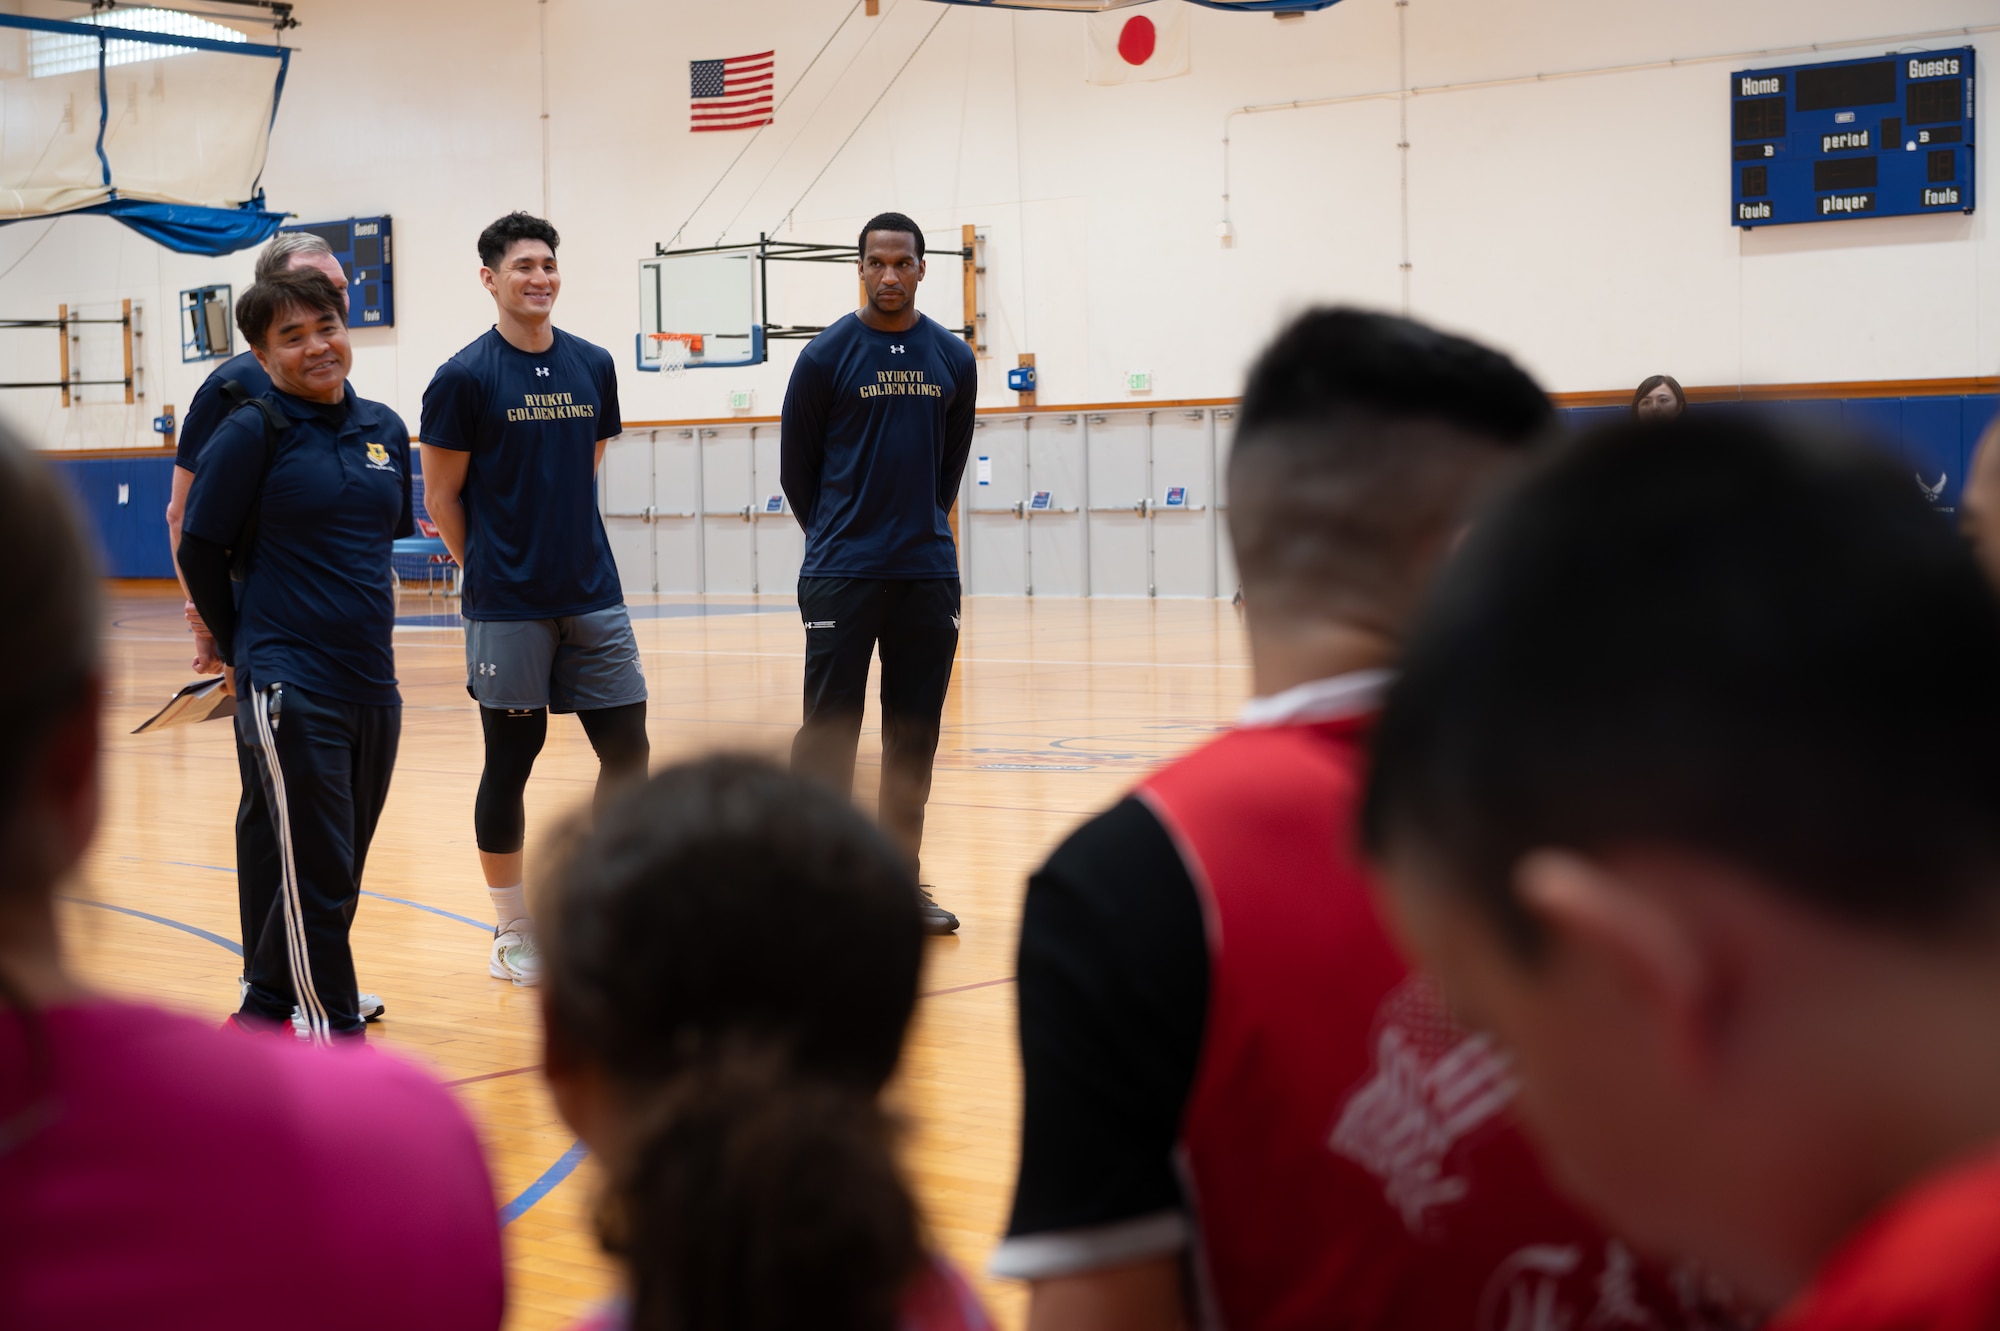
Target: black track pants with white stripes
pixel 326 766
pixel 257 872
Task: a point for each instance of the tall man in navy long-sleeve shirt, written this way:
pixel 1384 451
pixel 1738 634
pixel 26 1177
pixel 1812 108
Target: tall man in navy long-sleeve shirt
pixel 877 425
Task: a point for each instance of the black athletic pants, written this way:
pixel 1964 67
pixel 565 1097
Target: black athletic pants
pixel 325 767
pixel 257 871
pixel 914 624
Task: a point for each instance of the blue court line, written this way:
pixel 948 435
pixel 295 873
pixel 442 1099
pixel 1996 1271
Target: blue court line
pixel 217 868
pixel 480 925
pixel 216 939
pixel 543 1186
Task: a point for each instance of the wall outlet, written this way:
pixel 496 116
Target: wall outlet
pixel 739 399
pixel 1138 381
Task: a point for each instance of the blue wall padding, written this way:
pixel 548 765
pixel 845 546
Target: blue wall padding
pixel 132 536
pixel 1979 413
pixel 1936 436
pixel 1932 442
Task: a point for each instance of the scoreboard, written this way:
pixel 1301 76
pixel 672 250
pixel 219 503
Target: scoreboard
pixel 362 246
pixel 1884 137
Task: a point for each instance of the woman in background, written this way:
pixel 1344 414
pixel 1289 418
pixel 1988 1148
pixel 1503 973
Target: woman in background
pixel 1658 398
pixel 729 963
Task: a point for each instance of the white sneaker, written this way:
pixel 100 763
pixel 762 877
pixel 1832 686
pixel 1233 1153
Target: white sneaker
pixel 369 1005
pixel 514 957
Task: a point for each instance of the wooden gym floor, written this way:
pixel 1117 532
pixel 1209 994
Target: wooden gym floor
pixel 1057 706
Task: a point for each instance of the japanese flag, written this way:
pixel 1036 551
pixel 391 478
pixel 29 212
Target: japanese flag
pixel 1140 43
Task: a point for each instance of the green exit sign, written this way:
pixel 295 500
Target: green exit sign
pixel 739 399
pixel 1139 381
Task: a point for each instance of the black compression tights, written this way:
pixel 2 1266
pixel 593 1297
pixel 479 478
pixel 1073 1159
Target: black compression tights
pixel 514 740
pixel 619 736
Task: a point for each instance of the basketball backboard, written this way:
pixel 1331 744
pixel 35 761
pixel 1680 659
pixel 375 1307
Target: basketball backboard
pixel 709 301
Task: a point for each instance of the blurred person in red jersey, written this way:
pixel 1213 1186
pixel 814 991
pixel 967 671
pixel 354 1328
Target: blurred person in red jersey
pixel 1687 793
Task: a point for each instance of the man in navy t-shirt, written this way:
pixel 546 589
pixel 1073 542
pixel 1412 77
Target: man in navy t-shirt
pixel 513 429
pixel 257 875
pixel 307 507
pixel 877 425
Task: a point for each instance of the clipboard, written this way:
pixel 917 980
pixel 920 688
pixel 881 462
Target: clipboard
pixel 202 700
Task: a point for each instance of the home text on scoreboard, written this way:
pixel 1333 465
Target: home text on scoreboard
pixel 1882 137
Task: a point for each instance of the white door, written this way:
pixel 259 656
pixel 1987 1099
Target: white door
pixel 677 511
pixel 1225 557
pixel 1182 508
pixel 993 527
pixel 779 545
pixel 729 553
pixel 1058 526
pixel 625 498
pixel 1120 495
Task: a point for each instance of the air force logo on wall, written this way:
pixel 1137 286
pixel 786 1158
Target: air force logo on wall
pixel 1932 492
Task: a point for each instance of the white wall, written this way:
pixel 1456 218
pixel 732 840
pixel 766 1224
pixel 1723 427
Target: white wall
pixel 1579 223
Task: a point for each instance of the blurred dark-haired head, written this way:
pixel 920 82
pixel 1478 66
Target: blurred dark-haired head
pixel 756 1200
pixel 730 959
pixel 1688 780
pixel 1363 443
pixel 726 899
pixel 48 753
pixel 1718 635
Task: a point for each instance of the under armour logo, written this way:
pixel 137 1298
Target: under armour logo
pixel 1932 492
pixel 541 371
pixel 895 351
pixel 487 668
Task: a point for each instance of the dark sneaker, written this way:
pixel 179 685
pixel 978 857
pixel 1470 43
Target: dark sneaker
pixel 937 919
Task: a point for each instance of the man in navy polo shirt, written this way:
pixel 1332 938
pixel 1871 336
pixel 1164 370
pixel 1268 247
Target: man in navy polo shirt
pixel 309 514
pixel 257 873
pixel 877 425
pixel 513 429
pixel 287 250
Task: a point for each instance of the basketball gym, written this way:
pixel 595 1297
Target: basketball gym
pixel 1122 203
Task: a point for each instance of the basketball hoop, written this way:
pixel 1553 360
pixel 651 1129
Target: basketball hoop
pixel 675 348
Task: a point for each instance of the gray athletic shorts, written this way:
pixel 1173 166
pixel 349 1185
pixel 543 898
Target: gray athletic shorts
pixel 579 663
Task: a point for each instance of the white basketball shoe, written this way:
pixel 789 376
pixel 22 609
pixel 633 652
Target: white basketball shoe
pixel 514 956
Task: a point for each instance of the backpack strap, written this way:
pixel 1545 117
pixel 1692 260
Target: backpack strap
pixel 275 426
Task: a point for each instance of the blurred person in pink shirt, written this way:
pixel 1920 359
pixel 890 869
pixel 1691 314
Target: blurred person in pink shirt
pixel 729 962
pixel 154 1171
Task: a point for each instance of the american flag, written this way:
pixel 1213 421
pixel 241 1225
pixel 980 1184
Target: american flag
pixel 730 94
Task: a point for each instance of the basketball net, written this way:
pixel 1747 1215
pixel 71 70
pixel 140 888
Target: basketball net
pixel 674 351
